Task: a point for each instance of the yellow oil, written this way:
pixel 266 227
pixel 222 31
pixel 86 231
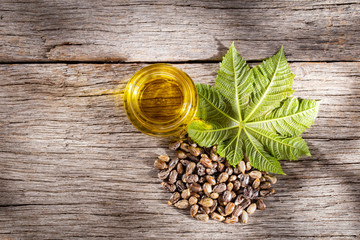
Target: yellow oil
pixel 160 100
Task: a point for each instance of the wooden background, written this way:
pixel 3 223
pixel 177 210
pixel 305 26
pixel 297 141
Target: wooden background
pixel 73 167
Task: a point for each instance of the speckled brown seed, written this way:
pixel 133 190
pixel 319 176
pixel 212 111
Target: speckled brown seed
pixel 206 202
pixel 214 195
pixel 206 162
pixel 265 185
pixel 193 200
pixel 174 145
pixel 180 154
pixel 231 220
pixel 168 186
pixel 195 187
pixel 242 166
pixel 272 179
pixel 173 176
pixel 237 211
pixel 210 179
pixel 182 204
pixel 192 178
pixel 174 197
pixel 226 197
pixel 190 168
pixel 194 209
pixel 220 188
pixel 184 147
pixel 217 217
pixel 207 188
pixel 163 174
pixel 195 151
pixel 251 208
pixel 164 158
pixel 229 208
pixel 185 194
pixel 223 177
pixel 202 217
pixel 255 174
pixel 256 183
pixel 173 163
pixel 180 168
pixel 230 186
pixel 261 204
pixel 244 217
pixel 159 164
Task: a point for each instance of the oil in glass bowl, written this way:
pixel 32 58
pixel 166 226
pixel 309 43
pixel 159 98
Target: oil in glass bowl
pixel 161 100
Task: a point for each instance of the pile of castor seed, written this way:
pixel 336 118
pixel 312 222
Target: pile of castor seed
pixel 206 183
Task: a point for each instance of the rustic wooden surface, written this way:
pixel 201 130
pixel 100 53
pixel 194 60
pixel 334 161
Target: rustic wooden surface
pixel 73 167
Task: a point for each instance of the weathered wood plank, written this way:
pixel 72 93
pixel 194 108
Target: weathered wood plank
pixel 72 166
pixel 176 30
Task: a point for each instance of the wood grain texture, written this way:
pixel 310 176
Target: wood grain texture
pixel 73 167
pixel 163 31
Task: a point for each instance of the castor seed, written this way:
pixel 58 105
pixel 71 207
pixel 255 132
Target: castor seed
pixel 217 217
pixel 265 193
pixel 173 163
pixel 251 208
pixel 226 197
pixel 237 185
pixel 231 220
pixel 195 187
pixel 164 158
pixel 255 174
pixel 229 208
pixel 194 209
pixel 168 186
pixel 184 147
pixel 220 188
pixel 202 217
pixel 162 175
pixel 242 166
pixel 180 154
pixel 206 202
pixel 207 188
pixel 210 179
pixel 261 204
pixel 174 145
pixel 272 179
pixel 174 197
pixel 232 178
pixel 180 185
pixel 180 168
pixel 214 195
pixel 248 166
pixel 237 211
pixel 223 177
pixel 244 217
pixel 195 151
pixel 211 171
pixel 159 164
pixel 190 168
pixel 220 167
pixel 182 204
pixel 256 183
pixel 206 162
pixel 173 176
pixel 230 186
pixel 204 210
pixel 193 200
pixel 229 171
pixel 221 210
pixel 265 185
